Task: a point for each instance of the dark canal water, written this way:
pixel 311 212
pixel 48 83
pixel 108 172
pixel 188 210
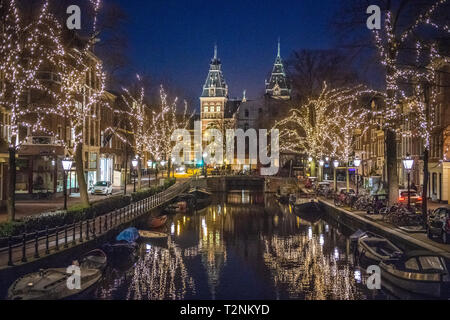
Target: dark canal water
pixel 244 246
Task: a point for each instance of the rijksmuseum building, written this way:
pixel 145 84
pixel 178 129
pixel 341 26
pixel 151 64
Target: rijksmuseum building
pixel 217 108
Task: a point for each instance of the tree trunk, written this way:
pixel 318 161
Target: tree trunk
pixel 126 170
pixel 139 175
pixel 391 165
pixel 82 185
pixel 169 165
pixel 425 185
pixel 347 177
pixel 11 202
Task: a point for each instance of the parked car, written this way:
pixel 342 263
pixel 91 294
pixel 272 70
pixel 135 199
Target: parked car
pixel 439 224
pixel 403 197
pixel 102 188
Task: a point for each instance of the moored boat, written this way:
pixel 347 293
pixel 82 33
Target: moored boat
pixel 359 234
pixel 420 272
pixel 374 249
pixel 128 235
pixel 146 234
pixel 157 222
pixel 119 250
pixel 52 284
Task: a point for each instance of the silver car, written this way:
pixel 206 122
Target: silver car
pixel 102 188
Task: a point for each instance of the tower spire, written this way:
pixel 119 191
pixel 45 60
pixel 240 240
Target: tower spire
pixel 278 86
pixel 279 48
pixel 215 51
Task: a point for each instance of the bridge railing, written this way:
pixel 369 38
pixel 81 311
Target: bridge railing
pixel 21 248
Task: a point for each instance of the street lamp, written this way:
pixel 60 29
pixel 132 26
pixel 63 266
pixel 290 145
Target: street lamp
pixel 134 162
pixel 321 163
pixel 336 165
pixel 67 165
pixel 173 167
pixel 204 155
pixel 357 163
pixel 408 163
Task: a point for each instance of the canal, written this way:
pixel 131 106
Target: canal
pixel 244 246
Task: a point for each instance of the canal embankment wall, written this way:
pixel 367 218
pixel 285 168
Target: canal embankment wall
pixel 403 240
pixel 65 256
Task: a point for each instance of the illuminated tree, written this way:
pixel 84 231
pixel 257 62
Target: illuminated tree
pixel 404 21
pixel 27 48
pixel 324 126
pixel 137 115
pixel 163 122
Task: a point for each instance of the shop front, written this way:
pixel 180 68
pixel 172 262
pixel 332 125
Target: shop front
pixel 106 168
pixel 39 171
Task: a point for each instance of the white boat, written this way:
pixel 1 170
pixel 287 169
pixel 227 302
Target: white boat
pixel 152 234
pixel 420 272
pixel 51 284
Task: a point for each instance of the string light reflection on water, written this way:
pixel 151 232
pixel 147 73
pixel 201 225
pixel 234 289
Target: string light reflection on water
pixel 245 246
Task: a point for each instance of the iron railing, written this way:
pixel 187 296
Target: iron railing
pixel 21 248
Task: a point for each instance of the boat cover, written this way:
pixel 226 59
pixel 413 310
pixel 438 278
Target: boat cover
pixel 129 235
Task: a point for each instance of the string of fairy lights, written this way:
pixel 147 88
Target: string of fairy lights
pixel 78 94
pixel 78 85
pixel 405 110
pixel 325 125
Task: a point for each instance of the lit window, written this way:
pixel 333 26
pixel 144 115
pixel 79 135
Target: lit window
pixel 206 109
pixel 218 108
pixel 212 108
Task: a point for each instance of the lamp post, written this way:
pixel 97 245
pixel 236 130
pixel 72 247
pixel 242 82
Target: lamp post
pixel 335 165
pixel 163 164
pixel 149 166
pixel 205 170
pixel 173 167
pixel 134 162
pixel 67 165
pixel 321 163
pixel 408 163
pixel 357 163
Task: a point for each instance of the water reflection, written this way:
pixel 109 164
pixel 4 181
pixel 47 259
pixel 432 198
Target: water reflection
pixel 244 246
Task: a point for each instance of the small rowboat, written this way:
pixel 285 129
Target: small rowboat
pixel 157 222
pixel 375 249
pixel 145 234
pixel 52 284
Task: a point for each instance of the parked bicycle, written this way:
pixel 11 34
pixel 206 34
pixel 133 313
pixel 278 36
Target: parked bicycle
pixel 402 215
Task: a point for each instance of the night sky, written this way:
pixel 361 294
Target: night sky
pixel 174 40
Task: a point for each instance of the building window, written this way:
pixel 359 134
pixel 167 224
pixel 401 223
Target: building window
pixel 206 109
pixel 93 161
pixel 212 108
pixel 246 113
pixel 218 108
